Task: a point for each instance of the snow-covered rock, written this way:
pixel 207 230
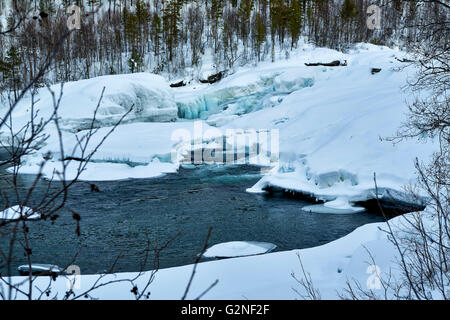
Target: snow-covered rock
pixel 39 268
pixel 17 212
pixel 238 249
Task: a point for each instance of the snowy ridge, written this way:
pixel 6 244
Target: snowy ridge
pixel 331 133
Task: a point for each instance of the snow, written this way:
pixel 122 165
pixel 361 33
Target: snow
pixel 17 212
pixel 238 249
pixel 102 171
pixel 330 132
pixel 331 122
pixel 136 150
pixel 149 94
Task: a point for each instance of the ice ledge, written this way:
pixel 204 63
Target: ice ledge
pixel 342 198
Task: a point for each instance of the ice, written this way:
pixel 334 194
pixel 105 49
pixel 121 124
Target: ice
pixel 338 206
pixel 341 203
pixel 17 212
pixel 106 171
pixel 238 249
pixel 143 150
pixel 136 150
pixel 335 128
pixel 237 95
pixel 264 276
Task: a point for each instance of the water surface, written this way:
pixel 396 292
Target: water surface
pixel 124 215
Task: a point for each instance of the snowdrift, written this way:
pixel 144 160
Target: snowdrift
pixel 147 93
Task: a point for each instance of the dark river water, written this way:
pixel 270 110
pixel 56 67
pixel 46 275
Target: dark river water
pixel 118 220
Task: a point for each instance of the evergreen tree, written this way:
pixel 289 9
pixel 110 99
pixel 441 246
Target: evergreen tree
pixel 245 11
pixel 216 13
pixel 295 21
pixel 47 6
pixel 348 10
pixel 348 13
pixel 10 67
pixel 155 31
pixel 131 27
pixel 260 33
pixel 171 23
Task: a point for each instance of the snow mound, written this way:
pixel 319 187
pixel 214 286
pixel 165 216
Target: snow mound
pixel 17 212
pixel 149 94
pixel 238 249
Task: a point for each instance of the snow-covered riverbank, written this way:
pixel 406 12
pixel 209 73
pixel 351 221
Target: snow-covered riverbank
pixel 331 122
pixel 355 257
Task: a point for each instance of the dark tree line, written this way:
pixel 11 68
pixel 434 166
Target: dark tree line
pixel 121 36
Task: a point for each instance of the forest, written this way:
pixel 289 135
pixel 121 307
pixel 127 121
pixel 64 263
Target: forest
pixel 175 37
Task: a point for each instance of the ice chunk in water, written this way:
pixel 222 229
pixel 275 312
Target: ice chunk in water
pixel 238 249
pixel 40 269
pixel 341 205
pixel 16 212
